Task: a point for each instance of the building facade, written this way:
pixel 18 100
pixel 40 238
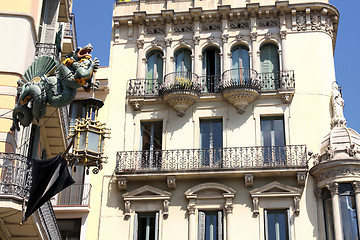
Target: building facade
pixel 31 29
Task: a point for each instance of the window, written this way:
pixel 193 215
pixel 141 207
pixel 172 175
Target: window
pixel 183 60
pixel 151 144
pixel 276 224
pixel 348 212
pixel 210 225
pixel 240 64
pixel 273 139
pixel 69 228
pixel 211 141
pixel 269 58
pixel 154 71
pixel 73 195
pixel 146 226
pixel 211 68
pixel 328 214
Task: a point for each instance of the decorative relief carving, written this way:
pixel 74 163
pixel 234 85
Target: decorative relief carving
pixel 225 38
pixel 210 39
pixel 182 41
pixel 268 22
pixel 318 194
pixel 356 186
pixel 253 36
pixel 337 173
pixel 196 40
pixel 249 180
pixel 155 30
pixel 296 205
pixel 239 25
pixel 315 19
pixel 239 37
pixel 140 43
pixel 268 36
pixel 286 97
pixel 329 27
pixel 283 34
pixel 255 206
pixel 127 208
pixel 154 43
pixel 352 150
pixel 122 184
pixel 168 42
pixel 183 28
pixel 301 178
pixel 171 182
pixel 229 208
pixel 136 105
pixel 333 188
pixel 301 21
pixel 191 206
pixel 166 204
pixel 330 152
pixel 211 27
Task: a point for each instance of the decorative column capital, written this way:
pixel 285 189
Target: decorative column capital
pixel 196 40
pixel 356 186
pixel 168 42
pixel 333 188
pixel 318 194
pixel 283 34
pixel 229 208
pixel 140 43
pixel 253 36
pixel 225 38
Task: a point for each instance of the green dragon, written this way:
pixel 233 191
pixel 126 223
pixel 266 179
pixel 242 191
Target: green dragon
pixel 39 85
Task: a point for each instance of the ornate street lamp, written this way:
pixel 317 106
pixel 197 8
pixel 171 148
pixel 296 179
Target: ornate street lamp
pixel 88 136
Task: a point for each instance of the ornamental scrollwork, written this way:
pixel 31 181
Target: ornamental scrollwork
pixel 338 173
pixel 315 19
pixel 268 23
pixel 301 21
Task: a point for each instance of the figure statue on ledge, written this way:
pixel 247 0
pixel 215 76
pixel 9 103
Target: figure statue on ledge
pixel 337 103
pixel 48 81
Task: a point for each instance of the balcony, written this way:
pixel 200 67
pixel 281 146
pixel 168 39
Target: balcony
pixel 192 162
pixel 47 49
pixel 282 82
pixel 240 87
pixel 77 195
pixel 180 90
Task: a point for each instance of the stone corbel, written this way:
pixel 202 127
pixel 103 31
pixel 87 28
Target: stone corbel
pixel 127 209
pixel 255 202
pixel 140 43
pixel 301 178
pixel 166 204
pixel 130 25
pixel 191 206
pixel 268 36
pixel 229 203
pixel 136 105
pixel 286 96
pixel 283 34
pixel 351 150
pixel 171 182
pixel 253 36
pixel 249 180
pixel 293 20
pixel 308 18
pixel 122 184
pixel 116 31
pixel 297 205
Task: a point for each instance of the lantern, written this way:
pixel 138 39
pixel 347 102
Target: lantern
pixel 88 138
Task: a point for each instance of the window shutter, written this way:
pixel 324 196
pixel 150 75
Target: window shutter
pixel 201 225
pixel 220 228
pixel 159 70
pixel 187 61
pixel 156 225
pixel 135 226
pixel 266 226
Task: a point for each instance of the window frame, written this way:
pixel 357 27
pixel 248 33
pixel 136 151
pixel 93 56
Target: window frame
pixel 287 224
pixel 146 215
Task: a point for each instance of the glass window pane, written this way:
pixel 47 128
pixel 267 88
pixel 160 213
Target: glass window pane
pixel 93 142
pixel 211 227
pixel 205 134
pixel 277 224
pixel 217 134
pixel 348 212
pixel 69 228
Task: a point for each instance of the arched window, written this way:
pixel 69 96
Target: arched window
pixel 269 58
pixel 155 65
pixel 183 60
pixel 211 68
pixel 240 57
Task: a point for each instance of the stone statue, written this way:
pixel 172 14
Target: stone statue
pixel 39 85
pixel 337 103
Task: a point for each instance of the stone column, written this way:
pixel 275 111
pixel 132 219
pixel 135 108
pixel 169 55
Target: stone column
pixel 168 66
pixel 229 214
pixel 197 62
pixel 225 62
pixel 192 220
pixel 356 186
pixel 140 67
pixel 320 214
pixel 283 56
pixel 334 189
pixel 255 58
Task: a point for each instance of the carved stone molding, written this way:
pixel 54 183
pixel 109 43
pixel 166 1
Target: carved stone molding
pixel 180 100
pixel 127 208
pixel 196 40
pixel 255 202
pixel 297 205
pixel 140 43
pixel 339 172
pixel 286 97
pixel 166 204
pixel 351 150
pixel 318 194
pixel 171 182
pixel 122 184
pixel 225 38
pixel 249 180
pixel 191 206
pixel 283 34
pixel 154 43
pixel 239 37
pixel 253 36
pixel 333 188
pixel 356 186
pixel 268 36
pixel 330 152
pixel 136 105
pixel 301 178
pixel 168 42
pixel 240 97
pixel 210 39
pixel 182 41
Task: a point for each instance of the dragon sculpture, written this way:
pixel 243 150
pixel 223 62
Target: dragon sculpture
pixel 47 81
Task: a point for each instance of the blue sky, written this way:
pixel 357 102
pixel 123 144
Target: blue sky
pixel 94 19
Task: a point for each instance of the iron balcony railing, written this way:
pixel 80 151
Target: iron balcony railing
pixel 47 49
pixel 240 78
pixel 142 87
pixel 210 83
pixel 77 194
pixel 277 80
pixel 209 159
pixel 180 81
pixel 15 175
pixel 70 29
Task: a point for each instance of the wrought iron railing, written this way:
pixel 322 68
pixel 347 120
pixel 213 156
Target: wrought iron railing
pixel 70 29
pixel 77 194
pixel 208 159
pixel 277 80
pixel 210 83
pixel 48 220
pixel 143 87
pixel 240 78
pixel 47 49
pixel 15 175
pixel 180 81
